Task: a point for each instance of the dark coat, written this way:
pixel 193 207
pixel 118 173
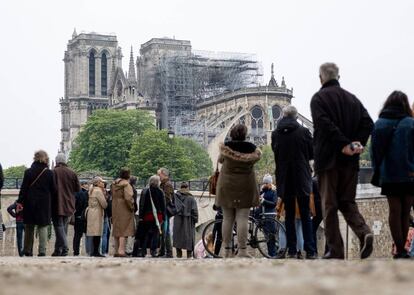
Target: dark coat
pixel 269 200
pixel 292 146
pixel 145 208
pixel 67 184
pixel 1 177
pixel 37 199
pixel 339 118
pixel 396 150
pixel 236 185
pixel 81 202
pixel 185 221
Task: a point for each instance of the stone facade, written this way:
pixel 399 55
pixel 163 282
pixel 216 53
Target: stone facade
pixel 94 79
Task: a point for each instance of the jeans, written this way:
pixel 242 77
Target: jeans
pixel 411 251
pixel 105 236
pixel 166 246
pixel 291 230
pixel 20 236
pixel 60 224
pixel 89 245
pixel 29 239
pixel 299 237
pixel 269 228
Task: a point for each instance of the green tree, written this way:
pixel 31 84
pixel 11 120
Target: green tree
pixel 365 158
pixel 266 165
pixel 185 159
pixel 104 142
pixel 15 171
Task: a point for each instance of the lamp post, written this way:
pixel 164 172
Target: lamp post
pixel 171 135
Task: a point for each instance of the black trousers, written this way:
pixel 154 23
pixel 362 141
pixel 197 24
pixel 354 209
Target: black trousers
pixel 337 187
pixel 96 242
pixel 146 236
pixel 79 229
pixel 290 208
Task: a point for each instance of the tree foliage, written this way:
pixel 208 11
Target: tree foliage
pixel 15 171
pixel 183 157
pixel 266 165
pixel 104 142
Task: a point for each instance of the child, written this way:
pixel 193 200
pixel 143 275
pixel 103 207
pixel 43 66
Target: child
pixel 16 211
pixel 200 250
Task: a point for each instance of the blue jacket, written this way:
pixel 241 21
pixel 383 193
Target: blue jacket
pixel 397 150
pixel 269 200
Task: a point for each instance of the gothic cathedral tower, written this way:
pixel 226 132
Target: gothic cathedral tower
pixel 89 60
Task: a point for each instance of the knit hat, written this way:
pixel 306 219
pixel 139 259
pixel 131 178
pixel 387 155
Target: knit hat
pixel 267 179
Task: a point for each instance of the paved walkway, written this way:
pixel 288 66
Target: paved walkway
pixel 77 276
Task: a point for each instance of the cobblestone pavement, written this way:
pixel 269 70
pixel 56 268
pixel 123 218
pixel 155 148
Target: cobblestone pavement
pixel 210 276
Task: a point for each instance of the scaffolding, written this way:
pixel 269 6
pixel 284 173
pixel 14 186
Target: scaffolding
pixel 186 79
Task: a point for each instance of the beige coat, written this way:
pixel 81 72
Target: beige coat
pixel 95 216
pixel 123 220
pixel 236 185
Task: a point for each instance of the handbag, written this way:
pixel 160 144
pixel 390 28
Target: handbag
pixel 212 181
pixel 375 180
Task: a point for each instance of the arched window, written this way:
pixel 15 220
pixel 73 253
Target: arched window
pixel 277 114
pixel 257 120
pixel 104 75
pixel 92 73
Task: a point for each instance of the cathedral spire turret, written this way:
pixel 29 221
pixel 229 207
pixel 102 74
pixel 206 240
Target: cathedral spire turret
pixel 74 35
pixel 283 84
pixel 132 78
pixel 272 82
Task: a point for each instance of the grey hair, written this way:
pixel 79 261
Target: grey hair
pixel 164 171
pixel 329 71
pixel 290 111
pixel 154 181
pixel 60 158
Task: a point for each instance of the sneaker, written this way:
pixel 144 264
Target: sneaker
pixel 243 253
pixel 367 248
pixel 281 254
pixel 299 255
pixel 292 256
pixel 41 255
pixel 311 256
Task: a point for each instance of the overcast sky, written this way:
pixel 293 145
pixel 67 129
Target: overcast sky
pixel 371 41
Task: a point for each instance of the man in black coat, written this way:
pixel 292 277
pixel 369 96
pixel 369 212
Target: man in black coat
pixel 342 127
pixel 292 146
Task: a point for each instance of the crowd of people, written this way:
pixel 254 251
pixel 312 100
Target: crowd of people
pixel 57 197
pixel 316 176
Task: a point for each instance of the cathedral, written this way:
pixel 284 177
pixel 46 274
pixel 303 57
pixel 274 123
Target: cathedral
pixel 198 94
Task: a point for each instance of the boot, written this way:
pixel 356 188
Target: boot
pixel 179 253
pixel 228 252
pixel 189 254
pixel 243 253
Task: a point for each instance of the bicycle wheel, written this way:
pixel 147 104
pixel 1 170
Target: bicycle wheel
pixel 267 236
pixel 212 231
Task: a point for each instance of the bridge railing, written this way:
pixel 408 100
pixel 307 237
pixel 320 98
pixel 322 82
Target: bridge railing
pixel 364 177
pixel 194 185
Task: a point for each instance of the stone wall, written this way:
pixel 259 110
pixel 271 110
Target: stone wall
pixel 373 207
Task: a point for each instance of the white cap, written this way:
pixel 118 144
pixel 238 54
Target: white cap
pixel 267 179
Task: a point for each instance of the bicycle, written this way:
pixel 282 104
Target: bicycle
pixel 263 232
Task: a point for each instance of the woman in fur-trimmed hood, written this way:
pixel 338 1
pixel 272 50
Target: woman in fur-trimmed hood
pixel 237 189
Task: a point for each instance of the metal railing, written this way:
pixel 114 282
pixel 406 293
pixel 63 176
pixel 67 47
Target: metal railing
pixel 364 177
pixel 194 185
